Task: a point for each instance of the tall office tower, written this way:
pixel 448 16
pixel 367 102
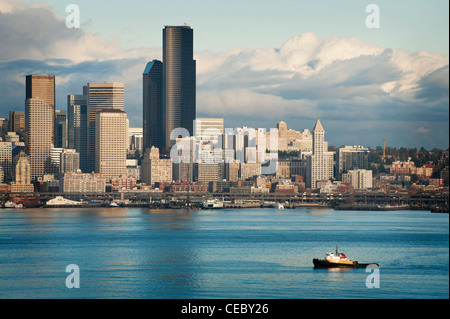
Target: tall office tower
pixel 77 127
pixel 100 96
pixel 6 160
pixel 43 87
pixel 60 129
pixel 152 105
pixel 17 121
pixel 154 169
pixel 352 157
pixel 39 118
pixel 179 71
pixel 22 174
pixel 320 162
pixel 111 143
pixel 209 133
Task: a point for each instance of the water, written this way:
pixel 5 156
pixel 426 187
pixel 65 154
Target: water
pixel 246 253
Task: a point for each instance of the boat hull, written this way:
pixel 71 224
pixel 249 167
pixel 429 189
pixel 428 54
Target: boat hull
pixel 321 263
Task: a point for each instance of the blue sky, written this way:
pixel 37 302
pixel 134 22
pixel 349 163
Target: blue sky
pixel 258 62
pixel 220 25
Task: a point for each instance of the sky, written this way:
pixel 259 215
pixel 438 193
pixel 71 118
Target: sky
pixel 258 62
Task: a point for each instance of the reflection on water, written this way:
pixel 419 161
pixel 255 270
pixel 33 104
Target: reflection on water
pixel 256 253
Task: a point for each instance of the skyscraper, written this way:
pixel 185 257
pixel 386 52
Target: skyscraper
pixel 320 162
pixel 16 121
pixel 111 143
pixel 152 105
pixel 179 82
pixel 100 96
pixel 43 87
pixel 77 127
pixel 60 129
pixel 39 118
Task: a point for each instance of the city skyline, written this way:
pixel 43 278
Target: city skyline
pixel 364 92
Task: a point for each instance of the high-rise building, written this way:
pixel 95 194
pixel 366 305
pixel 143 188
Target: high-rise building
pixel 111 143
pixel 179 81
pixel 42 87
pixel 60 129
pixel 22 174
pixel 352 157
pixel 152 105
pixel 6 160
pixel 320 161
pixel 100 96
pixel 17 121
pixel 77 126
pixel 39 119
pixel 154 169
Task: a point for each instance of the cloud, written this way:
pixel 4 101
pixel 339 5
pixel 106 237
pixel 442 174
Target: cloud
pixel 345 81
pixel 423 130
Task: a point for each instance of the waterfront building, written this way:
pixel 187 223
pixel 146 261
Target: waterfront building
pixel 352 157
pixel 39 120
pixel 153 134
pixel 155 169
pixel 82 183
pixel 111 143
pixel 179 81
pixel 320 161
pixel 22 174
pixel 6 162
pixel 100 96
pixel 358 178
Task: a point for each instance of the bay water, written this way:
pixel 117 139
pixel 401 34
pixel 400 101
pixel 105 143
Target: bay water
pixel 229 253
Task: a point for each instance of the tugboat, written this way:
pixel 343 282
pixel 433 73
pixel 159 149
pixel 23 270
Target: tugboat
pixel 338 260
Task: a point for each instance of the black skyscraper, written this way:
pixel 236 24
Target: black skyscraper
pixel 153 107
pixel 179 71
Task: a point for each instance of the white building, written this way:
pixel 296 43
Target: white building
pixel 319 164
pixel 358 178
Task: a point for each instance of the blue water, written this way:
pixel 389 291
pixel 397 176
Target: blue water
pixel 246 253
